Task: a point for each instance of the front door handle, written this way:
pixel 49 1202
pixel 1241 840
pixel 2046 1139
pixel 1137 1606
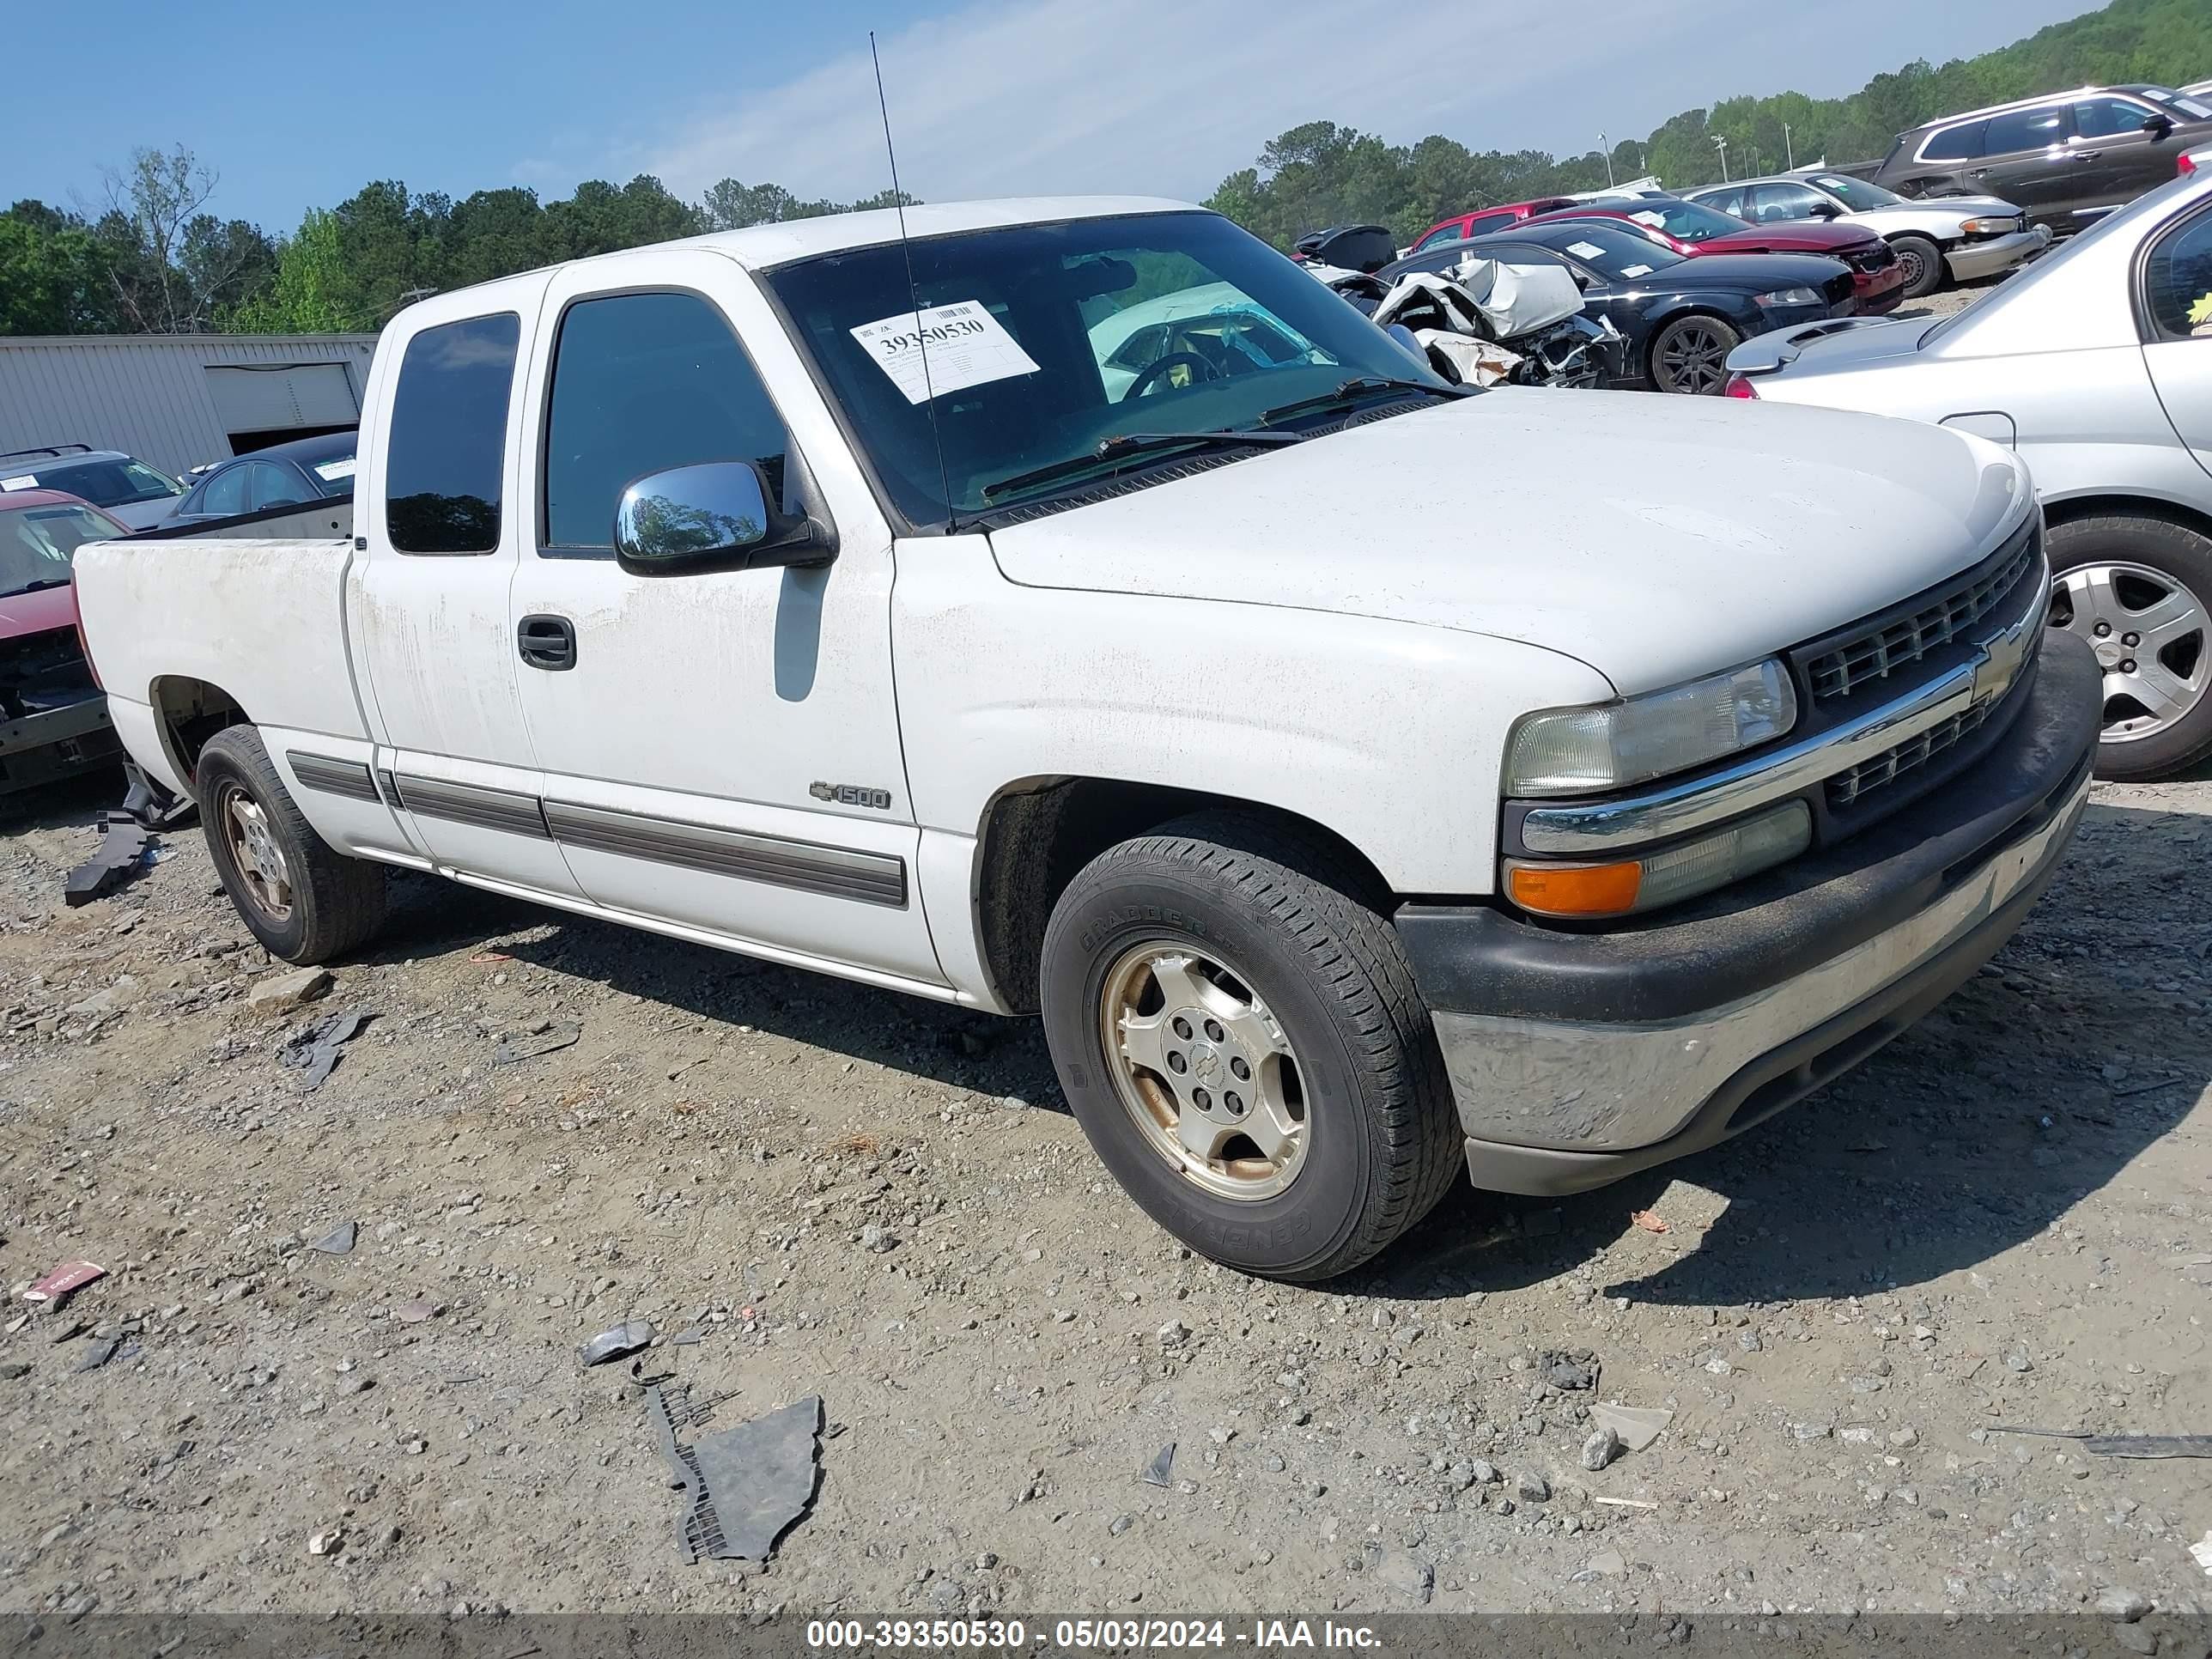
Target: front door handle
pixel 2087 154
pixel 547 643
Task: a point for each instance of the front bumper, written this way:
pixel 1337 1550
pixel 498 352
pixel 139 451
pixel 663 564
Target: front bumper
pixel 1970 261
pixel 56 742
pixel 1878 291
pixel 1578 1058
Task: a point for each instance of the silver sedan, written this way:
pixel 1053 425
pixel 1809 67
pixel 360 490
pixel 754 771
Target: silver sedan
pixel 2095 363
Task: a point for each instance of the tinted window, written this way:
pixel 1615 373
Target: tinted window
pixel 1777 204
pixel 2108 118
pixel 1960 143
pixel 1444 234
pixel 2025 129
pixel 1488 222
pixel 275 484
pixel 223 494
pixel 643 382
pixel 442 469
pixel 2178 280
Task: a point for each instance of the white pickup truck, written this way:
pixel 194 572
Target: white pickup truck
pixel 1365 779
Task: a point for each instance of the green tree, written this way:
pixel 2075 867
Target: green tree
pixel 310 293
pixel 54 276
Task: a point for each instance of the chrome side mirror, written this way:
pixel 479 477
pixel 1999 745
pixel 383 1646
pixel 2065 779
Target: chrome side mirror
pixel 715 515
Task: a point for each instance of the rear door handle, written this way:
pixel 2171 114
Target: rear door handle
pixel 547 643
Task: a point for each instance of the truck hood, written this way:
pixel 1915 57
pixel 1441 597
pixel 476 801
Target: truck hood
pixel 24 614
pixel 1655 538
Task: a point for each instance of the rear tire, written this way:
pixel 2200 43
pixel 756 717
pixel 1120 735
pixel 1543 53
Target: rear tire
pixel 1924 269
pixel 304 901
pixel 2148 583
pixel 1302 1122
pixel 1689 356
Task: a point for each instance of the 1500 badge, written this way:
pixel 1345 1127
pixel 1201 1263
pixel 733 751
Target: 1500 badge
pixel 851 794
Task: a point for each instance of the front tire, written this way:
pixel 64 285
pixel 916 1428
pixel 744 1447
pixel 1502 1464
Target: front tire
pixel 304 901
pixel 1236 1028
pixel 2139 590
pixel 1689 356
pixel 1924 269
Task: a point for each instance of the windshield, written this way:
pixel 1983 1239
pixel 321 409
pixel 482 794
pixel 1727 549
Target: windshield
pixel 1043 341
pixel 1619 253
pixel 37 542
pixel 110 483
pixel 2195 110
pixel 1685 221
pixel 1857 194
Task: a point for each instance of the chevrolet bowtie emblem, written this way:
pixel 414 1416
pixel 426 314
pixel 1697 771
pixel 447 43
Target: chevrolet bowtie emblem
pixel 2002 656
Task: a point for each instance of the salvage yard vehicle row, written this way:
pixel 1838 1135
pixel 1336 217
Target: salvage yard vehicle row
pixel 1357 793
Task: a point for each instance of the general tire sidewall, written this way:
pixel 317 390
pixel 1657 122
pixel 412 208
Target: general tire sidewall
pixel 2184 555
pixel 1282 1234
pixel 218 773
pixel 1933 270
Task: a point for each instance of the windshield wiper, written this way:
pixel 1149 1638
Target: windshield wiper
pixel 1358 385
pixel 1127 444
pixel 39 586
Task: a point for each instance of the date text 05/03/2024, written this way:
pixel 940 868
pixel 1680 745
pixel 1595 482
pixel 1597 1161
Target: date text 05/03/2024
pixel 1079 1635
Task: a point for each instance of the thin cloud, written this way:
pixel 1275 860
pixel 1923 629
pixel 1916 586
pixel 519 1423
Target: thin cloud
pixel 1159 96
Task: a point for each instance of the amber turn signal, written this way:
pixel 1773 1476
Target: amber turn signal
pixel 1582 889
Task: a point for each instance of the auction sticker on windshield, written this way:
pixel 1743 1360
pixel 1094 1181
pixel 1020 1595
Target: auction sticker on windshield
pixel 965 345
pixel 331 472
pixel 1584 250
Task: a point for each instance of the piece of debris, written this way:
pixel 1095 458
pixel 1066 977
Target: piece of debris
pixel 1606 1564
pixel 326 1542
pixel 339 1240
pixel 2121 1605
pixel 744 1487
pixel 1157 1471
pixel 549 1035
pixel 1637 1425
pixel 687 1339
pixel 313 1049
pixel 58 1286
pixel 14 1370
pixel 122 850
pixel 1568 1373
pixel 1532 1488
pixel 416 1311
pixel 619 1342
pixel 1649 1220
pixel 2126 1445
pixel 97 1352
pixel 1623 1503
pixel 1406 1573
pixel 1600 1449
pixel 2201 1553
pixel 288 990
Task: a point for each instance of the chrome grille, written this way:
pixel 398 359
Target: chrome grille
pixel 1846 787
pixel 1930 624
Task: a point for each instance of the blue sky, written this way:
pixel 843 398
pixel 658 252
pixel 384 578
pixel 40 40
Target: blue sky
pixel 297 106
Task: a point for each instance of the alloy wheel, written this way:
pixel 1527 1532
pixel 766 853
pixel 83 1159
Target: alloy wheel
pixel 1694 359
pixel 259 860
pixel 2149 634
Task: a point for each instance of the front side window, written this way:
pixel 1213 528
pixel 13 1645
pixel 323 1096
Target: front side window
pixel 2178 280
pixel 643 382
pixel 37 543
pixel 1019 330
pixel 446 454
pixel 2025 130
pixel 1960 143
pixel 2108 118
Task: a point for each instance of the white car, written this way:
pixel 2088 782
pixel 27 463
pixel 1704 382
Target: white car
pixel 1213 328
pixel 1370 782
pixel 2095 367
pixel 1939 241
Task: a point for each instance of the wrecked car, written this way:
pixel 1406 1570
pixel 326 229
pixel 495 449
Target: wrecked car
pixel 53 715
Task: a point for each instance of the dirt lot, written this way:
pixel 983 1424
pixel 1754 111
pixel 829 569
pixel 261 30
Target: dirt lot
pixel 2002 1219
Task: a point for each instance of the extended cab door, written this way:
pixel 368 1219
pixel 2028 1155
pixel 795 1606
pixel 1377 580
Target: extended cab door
pixel 720 750
pixel 435 513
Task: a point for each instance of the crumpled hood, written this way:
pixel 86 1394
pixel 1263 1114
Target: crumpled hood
pixel 41 612
pixel 1653 538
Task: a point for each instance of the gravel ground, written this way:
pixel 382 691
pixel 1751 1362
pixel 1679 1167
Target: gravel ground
pixel 2001 1219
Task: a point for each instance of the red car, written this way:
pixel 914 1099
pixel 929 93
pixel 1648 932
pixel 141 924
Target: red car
pixel 53 715
pixel 1691 229
pixel 1505 216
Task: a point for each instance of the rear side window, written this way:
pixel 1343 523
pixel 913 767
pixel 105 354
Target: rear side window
pixel 2178 280
pixel 1960 143
pixel 643 382
pixel 224 495
pixel 2025 130
pixel 448 444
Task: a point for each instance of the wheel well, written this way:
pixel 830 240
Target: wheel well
pixel 192 711
pixel 1036 835
pixel 2126 507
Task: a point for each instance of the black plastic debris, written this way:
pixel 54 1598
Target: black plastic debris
pixel 744 1487
pixel 122 851
pixel 1157 1472
pixel 97 1352
pixel 148 803
pixel 547 1035
pixel 1568 1373
pixel 2126 1445
pixel 313 1049
pixel 631 1336
pixel 339 1240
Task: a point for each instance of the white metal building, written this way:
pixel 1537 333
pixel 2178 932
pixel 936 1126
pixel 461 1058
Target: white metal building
pixel 178 401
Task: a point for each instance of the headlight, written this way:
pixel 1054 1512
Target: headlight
pixel 1627 886
pixel 1989 227
pixel 1788 296
pixel 1571 751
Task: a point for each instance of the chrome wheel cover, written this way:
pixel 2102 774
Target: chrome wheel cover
pixel 2150 634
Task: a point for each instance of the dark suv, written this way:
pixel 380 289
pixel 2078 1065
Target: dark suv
pixel 2067 158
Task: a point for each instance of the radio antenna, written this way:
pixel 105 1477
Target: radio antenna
pixel 912 293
